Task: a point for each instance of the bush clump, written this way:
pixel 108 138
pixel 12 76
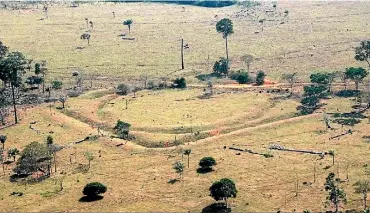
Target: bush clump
pixel 122 89
pixel 94 189
pixel 206 164
pixel 179 83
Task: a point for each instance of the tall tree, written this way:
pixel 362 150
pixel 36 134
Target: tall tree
pixel 362 187
pixel 3 140
pixel 188 152
pixel 128 23
pixel 336 195
pixel 12 68
pixel 357 74
pixel 225 27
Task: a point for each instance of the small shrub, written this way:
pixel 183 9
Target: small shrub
pixel 94 189
pixel 260 80
pixel 123 89
pixel 56 84
pixel 206 164
pixel 179 83
pixel 267 155
pixel 151 85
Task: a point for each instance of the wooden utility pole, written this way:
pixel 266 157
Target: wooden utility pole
pixel 182 54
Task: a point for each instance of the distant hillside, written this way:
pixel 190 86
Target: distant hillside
pixel 201 3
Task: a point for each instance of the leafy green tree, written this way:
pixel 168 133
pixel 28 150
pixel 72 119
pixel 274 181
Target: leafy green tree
pixel 320 78
pixel 223 189
pixel 179 83
pixel 122 129
pixel 89 156
pixel 362 187
pixel 93 189
pixel 12 68
pixel 12 153
pixel 362 52
pixel 3 140
pixel 225 27
pixel 128 23
pixel 357 74
pixel 260 79
pixel 179 168
pixel 336 195
pixel 221 66
pixel 188 152
pixel 33 158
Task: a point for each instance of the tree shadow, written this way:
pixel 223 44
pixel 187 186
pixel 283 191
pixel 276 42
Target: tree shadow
pixel 204 170
pixel 172 181
pixel 206 77
pixel 348 119
pixel 347 93
pixel 216 208
pixel 90 199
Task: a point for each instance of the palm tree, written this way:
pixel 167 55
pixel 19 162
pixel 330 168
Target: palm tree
pixel 179 168
pixel 332 153
pixel 262 21
pixel 86 36
pixel 187 152
pixel 225 26
pixel 3 139
pixel 87 23
pixel 128 22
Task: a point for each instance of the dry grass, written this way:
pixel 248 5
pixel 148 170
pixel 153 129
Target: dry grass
pixel 137 178
pixel 337 27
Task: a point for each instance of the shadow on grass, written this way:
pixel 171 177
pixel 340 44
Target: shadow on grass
pixel 348 119
pixel 90 199
pixel 347 93
pixel 173 181
pixel 216 208
pixel 206 77
pixel 204 170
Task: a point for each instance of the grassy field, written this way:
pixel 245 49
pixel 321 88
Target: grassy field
pixel 316 36
pixel 137 177
pixel 138 173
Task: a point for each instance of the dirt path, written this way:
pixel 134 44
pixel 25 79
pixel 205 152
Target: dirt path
pixel 248 129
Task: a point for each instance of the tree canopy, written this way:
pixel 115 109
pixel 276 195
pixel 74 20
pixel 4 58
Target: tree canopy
pixel 223 189
pixel 225 26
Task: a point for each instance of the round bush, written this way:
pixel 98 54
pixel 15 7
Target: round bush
pixel 207 162
pixel 93 189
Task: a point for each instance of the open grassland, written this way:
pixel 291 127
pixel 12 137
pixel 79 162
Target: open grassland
pixel 137 177
pixel 170 116
pixel 315 36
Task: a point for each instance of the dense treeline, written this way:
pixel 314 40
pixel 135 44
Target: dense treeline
pixel 201 3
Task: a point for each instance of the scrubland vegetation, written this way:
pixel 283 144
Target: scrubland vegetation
pixel 196 107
